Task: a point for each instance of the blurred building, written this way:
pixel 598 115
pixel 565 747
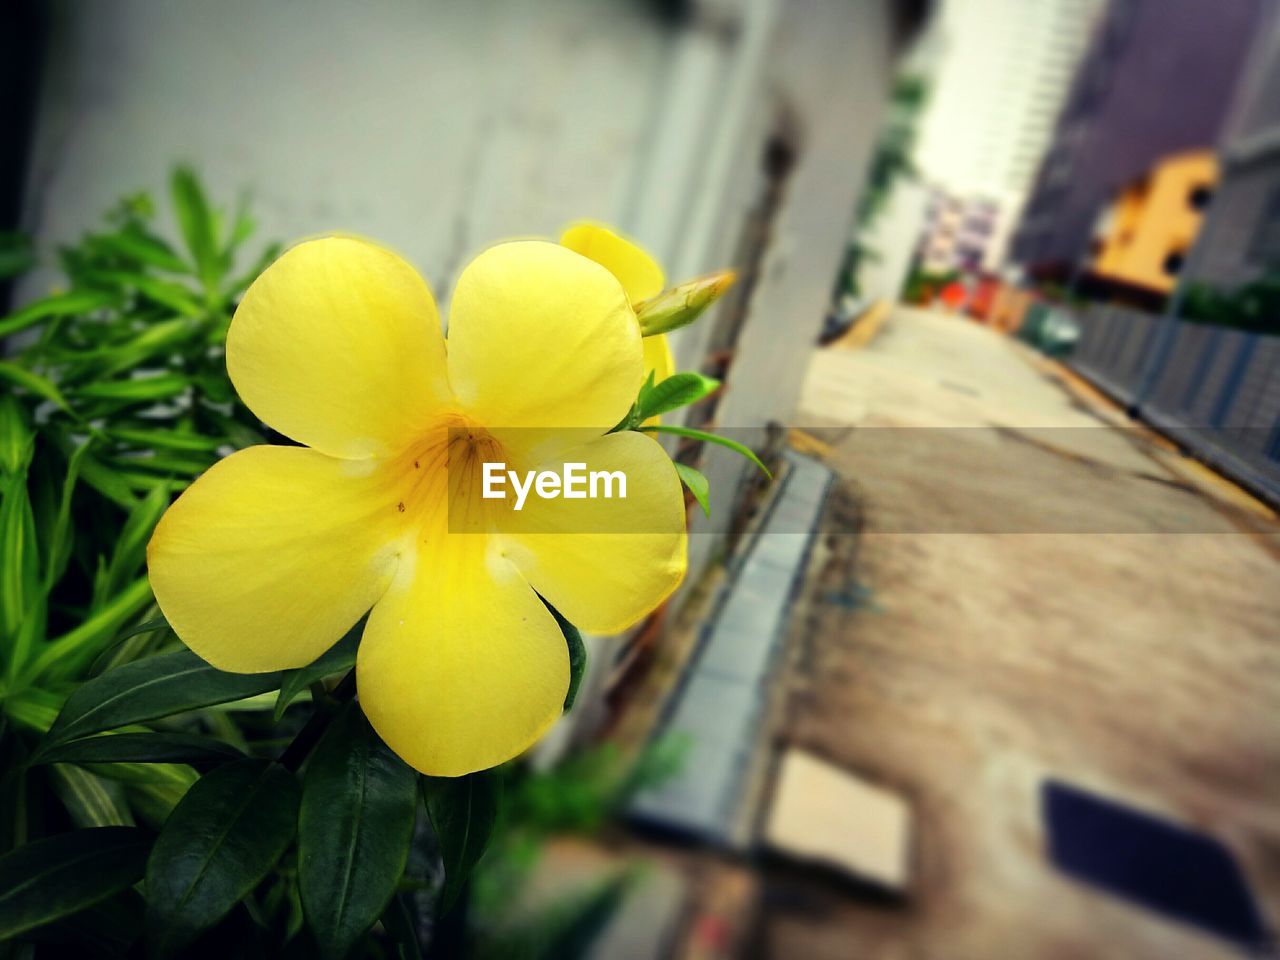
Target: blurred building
pixel 999 71
pixel 1245 222
pixel 1144 236
pixel 1158 80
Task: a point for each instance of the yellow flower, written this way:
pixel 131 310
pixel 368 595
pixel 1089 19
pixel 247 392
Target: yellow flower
pixel 640 276
pixel 268 558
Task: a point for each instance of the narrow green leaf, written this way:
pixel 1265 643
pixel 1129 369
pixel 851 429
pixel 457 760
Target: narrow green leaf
pixel 68 304
pixel 78 646
pixel 131 547
pixel 158 686
pixel 135 244
pixel 358 805
pixel 34 383
pixel 223 837
pixel 197 223
pixel 697 484
pixel 464 812
pixel 678 390
pixel 141 748
pixel 339 658
pixel 56 877
pixel 692 434
pixel 58 552
pixel 165 439
pixel 157 387
pixel 402 928
pixel 17 253
pixel 20 568
pixel 577 655
pixel 17 439
pixel 88 800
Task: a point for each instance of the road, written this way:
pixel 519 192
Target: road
pixel 1017 587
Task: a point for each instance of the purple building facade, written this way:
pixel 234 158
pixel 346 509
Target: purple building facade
pixel 1159 77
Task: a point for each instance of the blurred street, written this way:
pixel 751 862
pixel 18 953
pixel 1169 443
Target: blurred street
pixel 963 668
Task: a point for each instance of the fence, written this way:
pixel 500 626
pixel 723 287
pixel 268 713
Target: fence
pixel 1214 390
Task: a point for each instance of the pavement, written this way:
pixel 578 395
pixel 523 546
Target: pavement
pixel 1014 585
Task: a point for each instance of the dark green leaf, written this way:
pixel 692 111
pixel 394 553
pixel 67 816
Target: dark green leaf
pixel 56 877
pixel 678 390
pixel 697 484
pixel 464 812
pixel 702 435
pixel 577 655
pixel 141 748
pixel 354 828
pixel 400 924
pixel 158 686
pixel 217 845
pixel 17 254
pixel 339 658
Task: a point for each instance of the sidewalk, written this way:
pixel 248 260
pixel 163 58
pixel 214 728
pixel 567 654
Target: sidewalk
pixel 967 645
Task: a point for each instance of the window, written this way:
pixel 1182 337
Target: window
pixel 1200 196
pixel 1173 262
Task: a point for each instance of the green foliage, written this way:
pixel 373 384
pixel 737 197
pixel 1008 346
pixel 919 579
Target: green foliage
pixel 697 484
pixel 1254 306
pixel 60 876
pixel 217 845
pixel 464 813
pixel 741 449
pixel 359 802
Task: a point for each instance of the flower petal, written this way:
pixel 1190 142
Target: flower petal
pixel 338 345
pixel 541 337
pixel 605 563
pixel 461 667
pixel 638 272
pixel 271 556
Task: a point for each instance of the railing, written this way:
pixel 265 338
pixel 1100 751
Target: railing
pixel 1214 390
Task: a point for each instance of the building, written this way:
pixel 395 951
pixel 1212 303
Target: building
pixel 999 71
pixel 1144 236
pixel 1158 79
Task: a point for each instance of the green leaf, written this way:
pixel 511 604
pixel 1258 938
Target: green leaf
pixel 692 434
pixel 678 390
pixel 464 812
pixel 17 439
pixel 577 655
pixel 339 658
pixel 141 748
pixel 80 645
pixel 158 387
pixel 165 439
pixel 131 547
pixel 222 838
pixel 68 304
pixel 17 254
pixel 197 223
pixel 88 800
pixel 358 805
pixel 34 383
pixel 20 566
pixel 56 877
pixel 697 484
pixel 158 686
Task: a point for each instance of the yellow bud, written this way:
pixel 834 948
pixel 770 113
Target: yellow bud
pixel 683 304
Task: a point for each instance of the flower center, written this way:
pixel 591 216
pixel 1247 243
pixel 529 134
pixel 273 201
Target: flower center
pixel 440 478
